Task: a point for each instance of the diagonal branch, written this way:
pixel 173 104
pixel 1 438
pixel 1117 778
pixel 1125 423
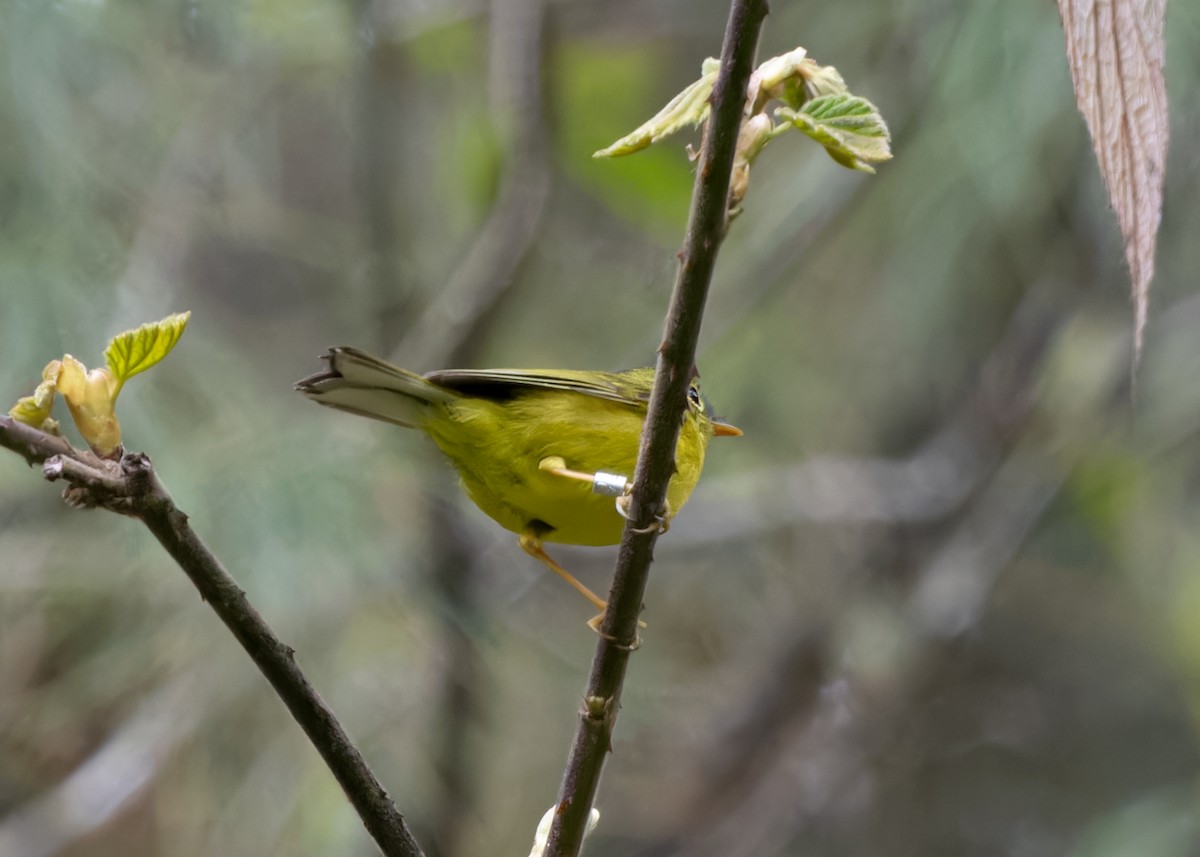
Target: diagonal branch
pixel 32 445
pixel 656 460
pixel 131 487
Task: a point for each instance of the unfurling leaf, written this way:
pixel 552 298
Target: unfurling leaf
pixel 779 77
pixel 92 395
pixel 92 399
pixel 689 107
pixel 35 410
pixel 793 78
pixel 755 133
pixel 136 351
pixel 815 100
pixel 1116 53
pixel 849 127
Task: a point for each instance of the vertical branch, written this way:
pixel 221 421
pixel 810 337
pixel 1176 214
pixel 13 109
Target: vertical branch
pixel 656 459
pixel 449 331
pixel 460 704
pixel 454 322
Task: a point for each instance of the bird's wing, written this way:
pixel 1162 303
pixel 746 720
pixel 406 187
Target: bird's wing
pixel 500 384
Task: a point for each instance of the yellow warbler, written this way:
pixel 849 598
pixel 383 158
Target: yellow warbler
pixel 541 451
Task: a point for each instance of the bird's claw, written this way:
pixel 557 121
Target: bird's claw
pixel 661 523
pixel 594 624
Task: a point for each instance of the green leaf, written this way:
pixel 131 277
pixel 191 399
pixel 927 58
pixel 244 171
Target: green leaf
pixel 689 107
pixel 849 127
pixel 136 351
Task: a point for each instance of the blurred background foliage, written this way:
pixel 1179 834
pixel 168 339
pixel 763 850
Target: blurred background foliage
pixel 943 598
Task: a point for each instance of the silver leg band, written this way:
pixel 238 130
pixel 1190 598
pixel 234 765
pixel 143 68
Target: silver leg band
pixel 609 484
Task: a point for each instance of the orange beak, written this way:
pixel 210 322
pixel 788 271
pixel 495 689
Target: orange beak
pixel 721 429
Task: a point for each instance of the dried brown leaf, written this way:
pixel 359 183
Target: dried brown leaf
pixel 1116 52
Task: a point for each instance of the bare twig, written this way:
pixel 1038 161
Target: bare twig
pixel 32 445
pixel 132 488
pixel 656 459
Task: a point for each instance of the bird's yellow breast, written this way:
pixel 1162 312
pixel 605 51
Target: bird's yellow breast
pixel 496 446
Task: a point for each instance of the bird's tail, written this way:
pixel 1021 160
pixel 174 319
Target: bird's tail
pixel 361 384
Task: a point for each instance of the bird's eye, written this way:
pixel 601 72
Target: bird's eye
pixel 694 398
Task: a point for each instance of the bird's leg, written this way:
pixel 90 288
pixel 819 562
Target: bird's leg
pixel 608 484
pixel 532 545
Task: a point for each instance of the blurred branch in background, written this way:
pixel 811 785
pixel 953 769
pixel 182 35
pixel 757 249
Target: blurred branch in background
pixel 931 485
pixel 211 156
pixel 954 587
pixel 461 695
pixel 449 331
pixel 827 760
pixel 116 774
pixel 132 488
pixel 786 739
pixel 380 119
pixel 801 741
